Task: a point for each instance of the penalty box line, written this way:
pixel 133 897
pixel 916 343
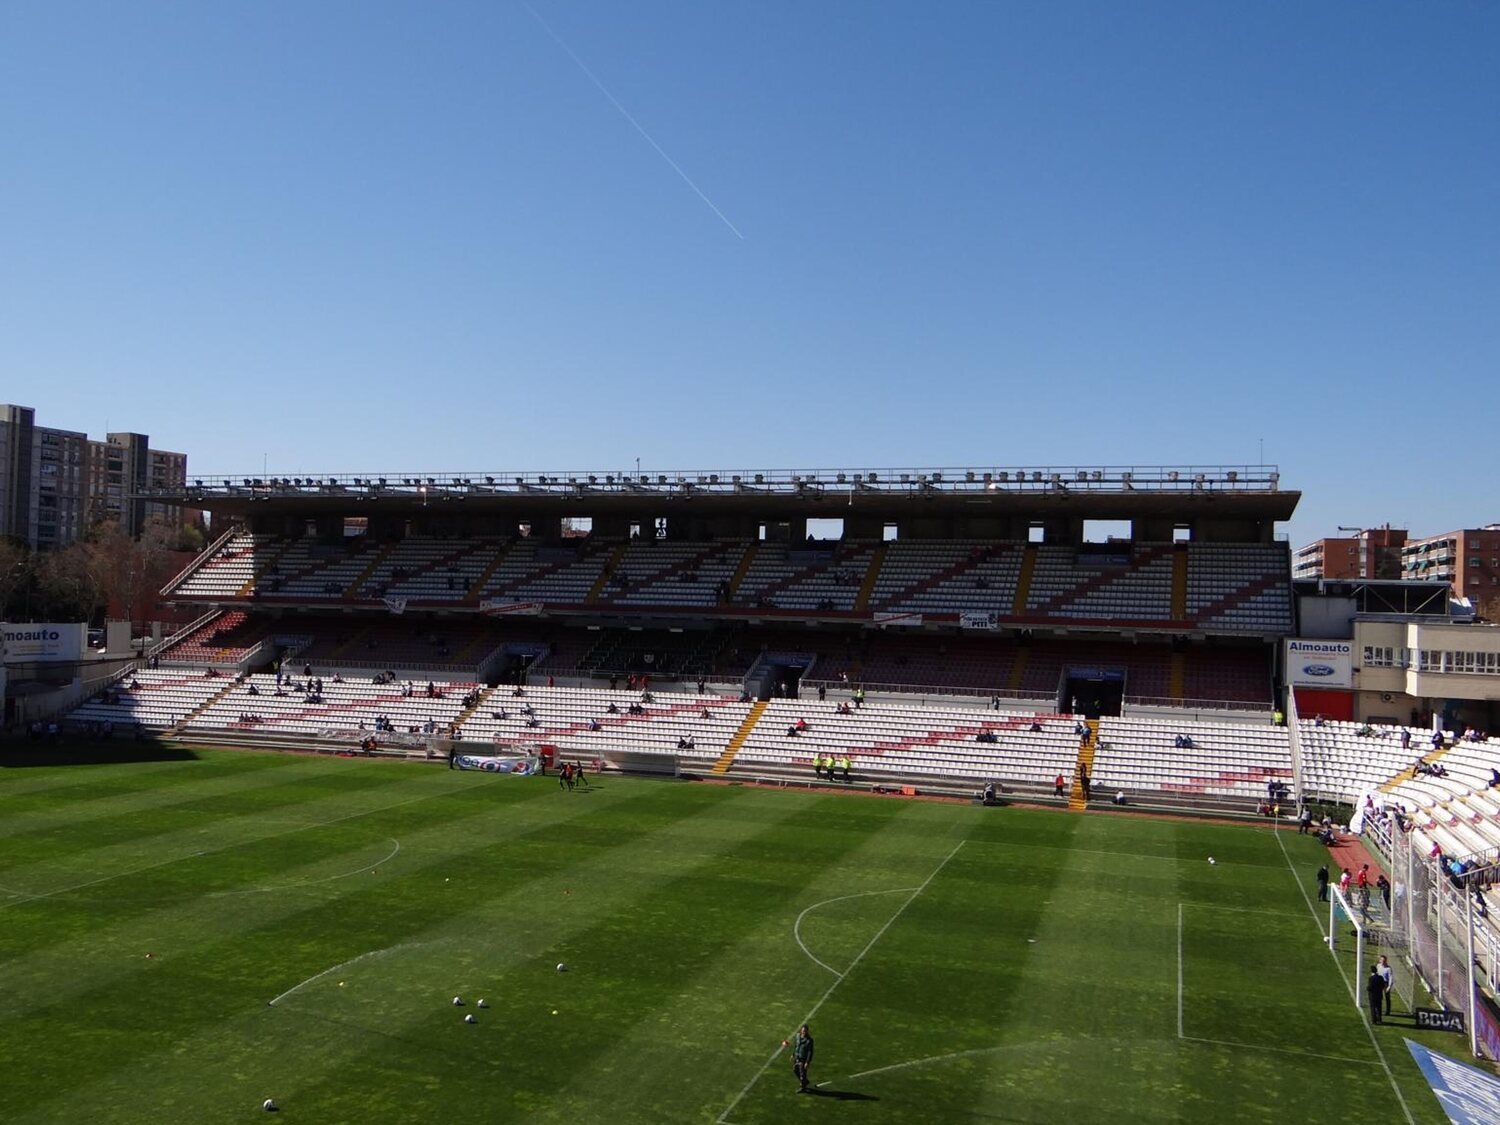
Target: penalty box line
pixel 1186 1038
pixel 723 1118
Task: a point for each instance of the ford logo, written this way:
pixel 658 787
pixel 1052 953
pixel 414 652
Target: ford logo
pixel 1316 670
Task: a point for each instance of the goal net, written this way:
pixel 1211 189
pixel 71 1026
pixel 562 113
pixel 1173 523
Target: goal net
pixel 1360 932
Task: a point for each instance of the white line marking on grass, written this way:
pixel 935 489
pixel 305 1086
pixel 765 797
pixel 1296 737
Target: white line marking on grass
pixel 344 964
pixel 1179 971
pixel 797 925
pixel 314 882
pixel 1317 921
pixel 860 956
pixel 929 1059
pixel 1241 909
pixel 1232 1042
pixel 242 843
pixel 1238 1046
pixel 101 879
pixel 1079 851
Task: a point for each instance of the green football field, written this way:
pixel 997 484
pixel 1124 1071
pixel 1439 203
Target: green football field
pixel 182 938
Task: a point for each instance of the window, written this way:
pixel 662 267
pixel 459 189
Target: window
pixel 1380 656
pixel 1430 660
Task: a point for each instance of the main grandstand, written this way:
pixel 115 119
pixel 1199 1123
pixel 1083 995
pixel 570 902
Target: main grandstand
pixel 999 624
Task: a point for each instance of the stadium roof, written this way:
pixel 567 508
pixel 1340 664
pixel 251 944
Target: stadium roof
pixel 1093 492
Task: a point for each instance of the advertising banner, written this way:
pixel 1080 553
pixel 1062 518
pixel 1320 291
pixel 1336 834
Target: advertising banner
pixel 47 642
pixel 1319 664
pixel 495 763
pixel 884 619
pixel 978 619
pixel 518 609
pixel 1467 1094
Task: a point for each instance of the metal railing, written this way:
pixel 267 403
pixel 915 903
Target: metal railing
pixel 964 479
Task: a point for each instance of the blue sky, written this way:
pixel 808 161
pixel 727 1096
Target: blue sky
pixel 349 237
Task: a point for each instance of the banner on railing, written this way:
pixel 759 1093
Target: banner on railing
pixel 978 619
pixel 516 609
pixel 395 605
pixel 496 763
pixel 884 619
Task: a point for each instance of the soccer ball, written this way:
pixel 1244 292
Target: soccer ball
pixel 458 1001
pixel 562 967
pixel 470 1018
pixel 1212 860
pixel 484 1004
pixel 268 1105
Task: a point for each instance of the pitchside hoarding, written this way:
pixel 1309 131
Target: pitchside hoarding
pixel 1320 664
pixel 43 643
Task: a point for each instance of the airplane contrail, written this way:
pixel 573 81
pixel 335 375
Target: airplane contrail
pixel 625 113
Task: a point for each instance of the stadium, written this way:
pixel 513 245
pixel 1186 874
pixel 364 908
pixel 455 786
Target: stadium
pixel 999 778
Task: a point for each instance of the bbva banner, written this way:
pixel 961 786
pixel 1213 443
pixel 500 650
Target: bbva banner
pixel 43 642
pixel 1317 663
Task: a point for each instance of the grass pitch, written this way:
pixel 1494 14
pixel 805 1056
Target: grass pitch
pixel 956 963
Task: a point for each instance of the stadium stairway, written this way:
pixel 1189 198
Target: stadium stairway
pixel 178 727
pixel 743 569
pixel 1098 581
pixel 352 590
pixel 1023 581
pixel 872 576
pixel 1018 670
pixel 1076 799
pixel 1405 772
pixel 463 716
pixel 938 577
pixel 610 566
pixel 1237 598
pixel 267 567
pixel 472 597
pixel 726 759
pixel 1178 675
pixel 1179 582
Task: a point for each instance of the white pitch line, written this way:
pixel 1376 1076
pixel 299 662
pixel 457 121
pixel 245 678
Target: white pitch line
pixel 797 925
pixel 314 882
pixel 101 879
pixel 929 1059
pixel 1080 851
pixel 1317 921
pixel 1240 909
pixel 242 843
pixel 343 964
pixel 765 1066
pixel 1179 971
pixel 1294 1051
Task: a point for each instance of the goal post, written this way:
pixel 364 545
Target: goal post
pixel 1342 913
pixel 1360 924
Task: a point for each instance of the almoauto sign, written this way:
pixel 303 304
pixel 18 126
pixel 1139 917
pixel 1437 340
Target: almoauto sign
pixel 1327 664
pixel 43 642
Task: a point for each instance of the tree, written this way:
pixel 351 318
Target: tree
pixel 68 584
pixel 130 572
pixel 15 578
